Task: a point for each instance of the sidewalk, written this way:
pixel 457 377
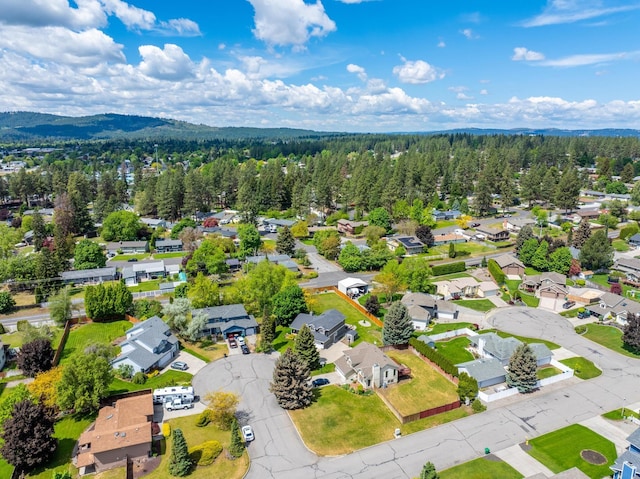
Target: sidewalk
pixel 522 462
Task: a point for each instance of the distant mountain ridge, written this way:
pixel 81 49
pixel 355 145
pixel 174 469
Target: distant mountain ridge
pixel 25 126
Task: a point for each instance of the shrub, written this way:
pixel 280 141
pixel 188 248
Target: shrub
pixel 431 354
pixel 477 406
pixel 449 268
pixel 495 271
pixel 139 378
pixel 204 454
pixel 7 303
pixel 22 325
pixel 581 329
pixel 166 429
pixel 580 282
pixel 204 418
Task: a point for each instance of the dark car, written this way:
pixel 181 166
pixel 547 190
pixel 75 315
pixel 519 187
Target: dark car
pixel 182 366
pixel 584 314
pixel 568 304
pixel 132 260
pixel 319 382
pixel 245 349
pixel 475 225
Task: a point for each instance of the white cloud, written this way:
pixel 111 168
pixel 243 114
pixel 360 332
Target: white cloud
pixel 441 44
pixel 170 63
pixel 358 70
pixel 290 22
pixel 354 1
pixel 590 59
pixel 571 11
pixel 179 26
pixel 40 13
pixel 521 53
pixel 468 33
pixel 132 17
pixel 484 91
pixel 463 96
pixel 417 72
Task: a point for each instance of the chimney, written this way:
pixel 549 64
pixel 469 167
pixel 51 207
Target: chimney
pixel 481 343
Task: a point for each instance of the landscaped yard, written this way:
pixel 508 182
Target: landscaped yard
pixel 620 245
pixel 151 285
pixel 324 301
pixel 170 377
pixel 83 335
pixel 127 257
pixel 583 368
pixel 620 414
pixel 444 327
pixel 560 450
pixel 16 339
pixel 454 350
pixel 547 372
pixel 175 254
pixel 463 249
pixel 426 389
pixel 205 351
pixel 482 468
pixel 482 305
pixel 601 279
pixel 529 271
pixel 609 337
pixel 529 300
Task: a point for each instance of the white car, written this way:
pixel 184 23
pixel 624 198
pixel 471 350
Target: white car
pixel 247 433
pixel 240 340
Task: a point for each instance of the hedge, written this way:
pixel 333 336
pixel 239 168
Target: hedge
pixel 204 454
pixel 448 268
pixel 434 356
pixel 496 271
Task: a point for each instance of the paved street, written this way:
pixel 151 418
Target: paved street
pixel 278 452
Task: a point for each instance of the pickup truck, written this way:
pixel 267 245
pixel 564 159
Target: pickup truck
pixel 178 404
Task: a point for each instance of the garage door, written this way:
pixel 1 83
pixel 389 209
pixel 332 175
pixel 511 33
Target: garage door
pixel 548 303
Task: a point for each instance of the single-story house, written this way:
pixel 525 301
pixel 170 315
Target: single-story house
pixel 89 276
pixel 121 432
pixel 627 465
pixel 353 287
pixel 447 238
pixel 280 259
pixel 487 371
pixel 228 320
pixel 128 247
pixel 510 265
pixel 234 265
pixel 585 214
pixel 351 227
pixel 488 288
pixel 446 215
pixel 327 328
pixel 613 306
pixel 368 365
pixel 635 240
pixel 217 231
pixel 493 235
pixel 516 224
pixel 629 266
pixel 491 345
pixel 168 246
pixel 278 223
pixel 153 222
pixel 149 345
pixel 457 288
pixel 149 270
pixel 411 244
pixel 436 308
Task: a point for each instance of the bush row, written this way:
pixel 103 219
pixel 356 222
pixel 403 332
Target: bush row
pixel 433 355
pixel 449 268
pixel 495 271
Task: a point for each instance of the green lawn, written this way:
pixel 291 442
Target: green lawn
pixel 482 305
pixel 426 389
pixel 324 301
pixel 445 277
pixel 469 248
pixel 547 372
pixel 620 414
pixel 127 257
pixel 601 279
pixel 85 334
pixel 281 343
pixel 454 350
pixel 620 245
pixel 175 254
pixel 444 224
pixel 583 368
pixel 560 450
pixel 529 271
pixel 151 285
pixel 529 300
pixel 481 468
pixel 67 430
pixel 512 284
pixel 437 420
pixel 609 337
pixel 16 339
pixel 170 377
pixel 444 327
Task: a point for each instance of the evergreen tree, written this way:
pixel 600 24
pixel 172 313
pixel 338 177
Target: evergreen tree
pixel 525 233
pixel 631 335
pixel 582 234
pixel 398 327
pixel 236 447
pixel 452 250
pixel 267 332
pixel 290 384
pixel 179 460
pixel 429 472
pixel 483 200
pixel 568 190
pixel 39 230
pixel 305 347
pixel 285 243
pixel 597 253
pixel 523 367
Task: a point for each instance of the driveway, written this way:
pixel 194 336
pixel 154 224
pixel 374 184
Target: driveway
pixel 195 364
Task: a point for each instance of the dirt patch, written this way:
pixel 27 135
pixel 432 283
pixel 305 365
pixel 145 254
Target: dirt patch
pixel 593 457
pixel 145 466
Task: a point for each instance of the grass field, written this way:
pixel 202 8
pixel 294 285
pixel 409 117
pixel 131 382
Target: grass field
pixel 529 300
pixel 583 368
pixel 560 450
pixel 529 271
pixel 454 350
pixel 620 414
pixel 340 422
pixel 207 353
pixel 85 334
pixel 547 372
pixel 222 468
pixel 463 249
pixel 482 305
pixel 437 420
pixel 481 468
pixel 151 285
pixel 175 254
pixel 426 389
pixel 609 337
pixel 170 377
pixel 127 257
pixel 444 327
pixel 16 339
pixel 620 245
pixel 325 301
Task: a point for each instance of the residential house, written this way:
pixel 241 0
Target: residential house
pixel 447 238
pixel 145 270
pixel 280 259
pixel 615 307
pixel 629 266
pixel 27 238
pixel 351 227
pixel 534 283
pixel 168 246
pixel 490 345
pixel 488 288
pixel 635 240
pixel 149 345
pixel 411 244
pixel 278 223
pixel 153 222
pixel 457 288
pixel 328 328
pixel 234 265
pixel 368 365
pixel 586 214
pixel 89 276
pixel 423 308
pixel 122 432
pixel 487 371
pixel 492 235
pixel 128 247
pixel 627 465
pixel 217 230
pixel 446 215
pixel 226 321
pixel 516 224
pixel 510 265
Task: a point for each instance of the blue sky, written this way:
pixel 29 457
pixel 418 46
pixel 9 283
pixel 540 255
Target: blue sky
pixel 335 65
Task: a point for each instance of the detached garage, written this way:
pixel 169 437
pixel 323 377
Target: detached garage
pixel 353 287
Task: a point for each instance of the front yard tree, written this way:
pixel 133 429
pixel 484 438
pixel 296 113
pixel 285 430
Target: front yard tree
pixel 397 327
pixel 285 242
pixel 60 307
pixel 523 367
pixel 88 255
pixel 179 461
pixel 525 233
pixel 28 436
pixel 424 234
pixel 290 384
pixel 305 347
pixel 380 217
pixel 249 239
pixel 582 234
pixel 7 303
pixel 597 253
pixel 390 280
pixel 236 448
pixel 467 387
pixel 35 357
pixel 631 334
pixel 85 381
pixel 204 293
pixel 429 471
pixel 288 303
pixel 267 332
pixel 222 405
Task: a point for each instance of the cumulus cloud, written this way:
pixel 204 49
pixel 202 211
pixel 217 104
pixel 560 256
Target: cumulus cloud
pixel 290 22
pixel 179 26
pixel 484 91
pixel 521 53
pixel 441 44
pixel 417 72
pixel 358 70
pixel 132 17
pixel 570 11
pixel 40 13
pixel 169 63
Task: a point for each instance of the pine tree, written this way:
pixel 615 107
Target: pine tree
pixel 285 242
pixel 179 460
pixel 267 332
pixel 39 230
pixel 631 335
pixel 525 233
pixel 236 448
pixel 523 367
pixel 582 234
pixel 290 382
pixel 452 250
pixel 429 472
pixel 305 347
pixel 398 327
pixel 597 252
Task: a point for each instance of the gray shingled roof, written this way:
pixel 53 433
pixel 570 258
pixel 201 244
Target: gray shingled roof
pixel 227 311
pixel 634 438
pixel 88 273
pixel 484 369
pixel 168 243
pixel 327 320
pixel 507 259
pixel 626 456
pixel 153 334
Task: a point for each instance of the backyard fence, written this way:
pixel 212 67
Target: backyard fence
pixel 419 415
pixel 452 334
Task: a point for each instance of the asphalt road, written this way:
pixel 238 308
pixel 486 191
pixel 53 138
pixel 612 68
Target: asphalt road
pixel 279 453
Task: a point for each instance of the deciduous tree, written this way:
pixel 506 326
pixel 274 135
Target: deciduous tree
pixel 85 381
pixel 204 293
pixel 522 373
pixel 372 304
pixel 222 405
pixel 291 378
pixel 288 303
pixel 631 332
pixel 398 327
pixel 7 303
pixel 390 280
pixel 35 357
pixel 121 226
pixel 424 234
pixel 249 239
pixel 44 386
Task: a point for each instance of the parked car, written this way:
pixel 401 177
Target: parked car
pixel 132 260
pixel 233 343
pixel 568 304
pixel 474 225
pixel 320 382
pixel 247 433
pixel 245 349
pixel 182 366
pixel 178 404
pixel 584 314
pixel 240 340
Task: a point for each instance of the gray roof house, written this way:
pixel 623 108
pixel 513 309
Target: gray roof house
pixel 630 266
pixel 614 306
pixel 228 320
pixel 87 276
pixel 423 307
pixel 635 240
pixel 149 345
pixel 327 328
pixel 492 345
pixel 487 371
pixel 368 365
pixel 168 246
pixel 128 247
pixel 280 259
pixel 627 465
